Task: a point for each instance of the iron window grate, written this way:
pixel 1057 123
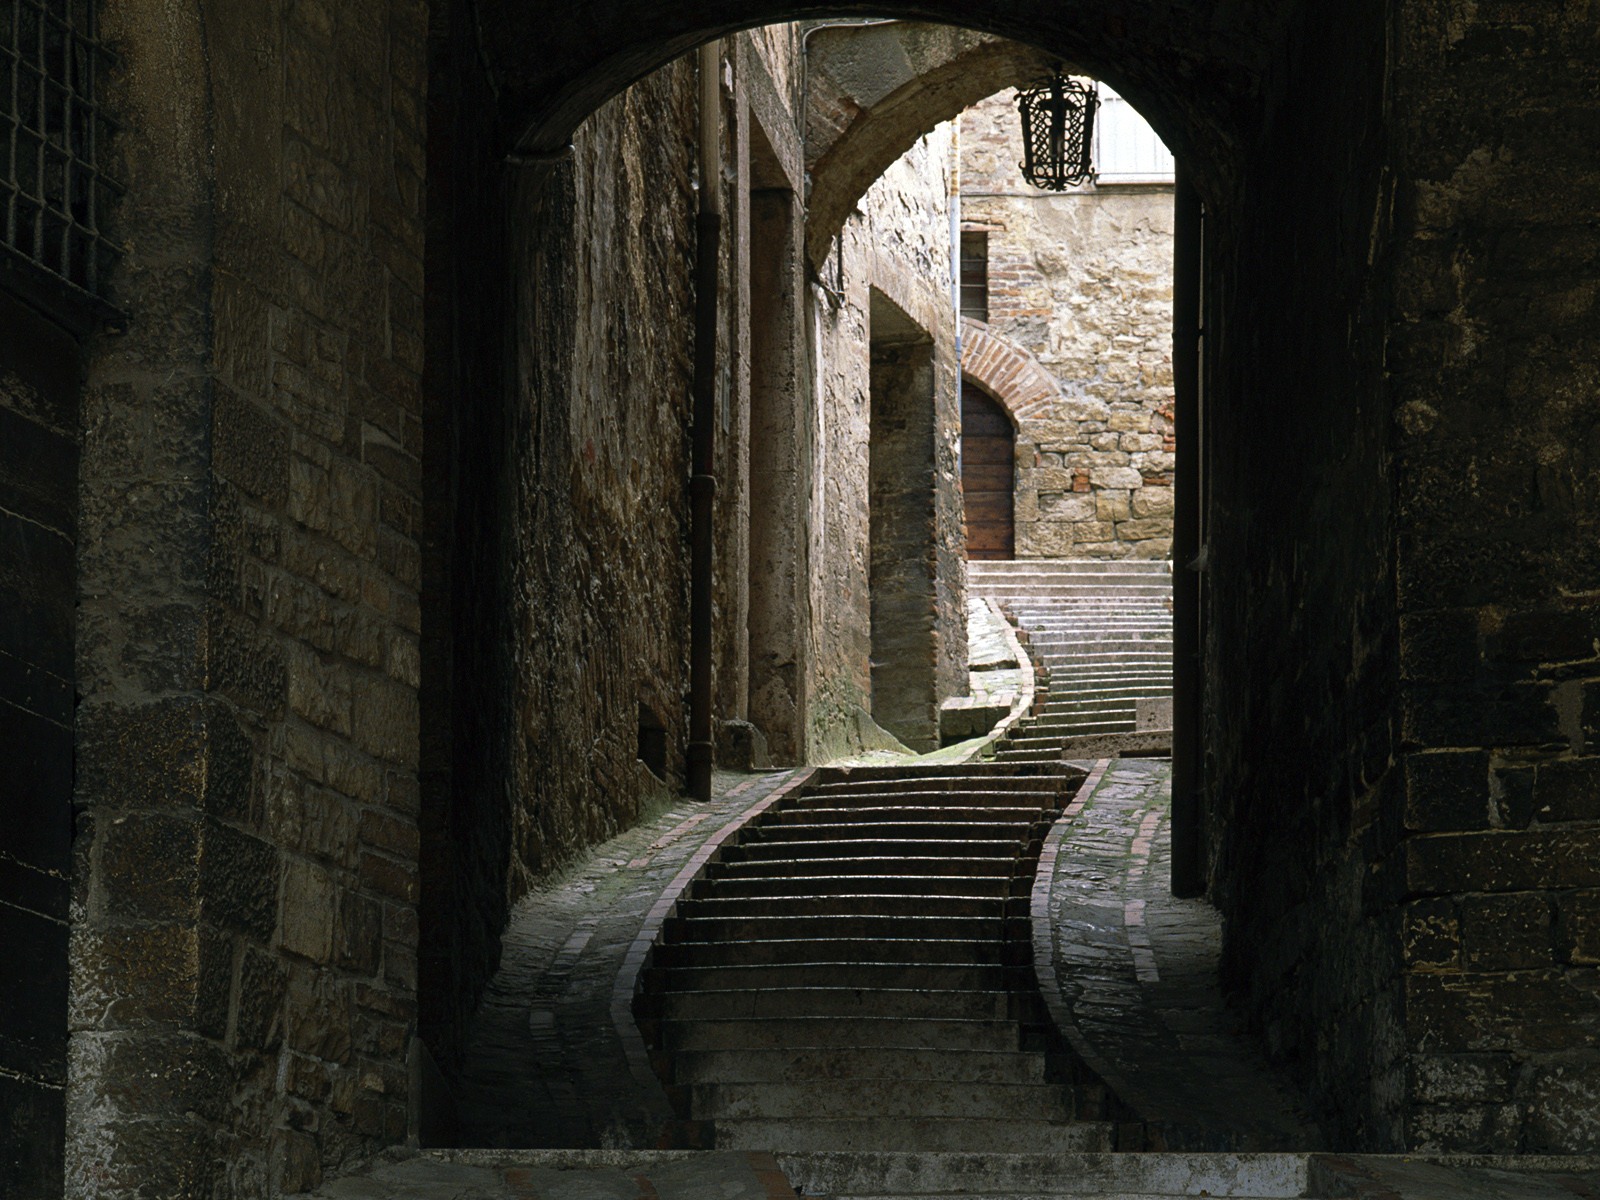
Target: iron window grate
pixel 54 188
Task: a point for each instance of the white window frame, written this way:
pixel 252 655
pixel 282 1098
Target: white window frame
pixel 1126 149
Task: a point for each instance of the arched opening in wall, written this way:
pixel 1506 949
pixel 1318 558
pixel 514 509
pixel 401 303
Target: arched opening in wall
pixel 602 355
pixel 988 451
pixel 665 277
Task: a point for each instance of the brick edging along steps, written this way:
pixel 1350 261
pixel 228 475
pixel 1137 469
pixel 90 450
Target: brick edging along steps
pixel 814 937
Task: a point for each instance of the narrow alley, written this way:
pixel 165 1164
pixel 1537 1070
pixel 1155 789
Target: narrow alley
pixel 959 974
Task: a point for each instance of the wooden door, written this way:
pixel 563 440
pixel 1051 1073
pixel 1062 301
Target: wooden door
pixel 988 446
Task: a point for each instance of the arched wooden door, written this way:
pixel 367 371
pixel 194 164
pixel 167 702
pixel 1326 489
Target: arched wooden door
pixel 988 445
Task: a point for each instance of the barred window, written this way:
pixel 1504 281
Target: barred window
pixel 975 274
pixel 52 182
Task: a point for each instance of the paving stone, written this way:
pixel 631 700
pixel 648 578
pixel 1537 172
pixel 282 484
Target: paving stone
pixel 1144 999
pixel 546 1065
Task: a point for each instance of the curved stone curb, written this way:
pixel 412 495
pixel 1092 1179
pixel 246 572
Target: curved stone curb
pixel 1027 691
pixel 1044 953
pixel 638 955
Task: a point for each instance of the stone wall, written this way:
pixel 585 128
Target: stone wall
pixel 886 283
pixel 1492 350
pixel 40 381
pixel 597 458
pixel 1080 284
pixel 562 600
pixel 1298 630
pixel 244 912
pixel 1400 709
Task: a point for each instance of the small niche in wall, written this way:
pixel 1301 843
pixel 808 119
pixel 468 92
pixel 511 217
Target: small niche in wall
pixel 652 742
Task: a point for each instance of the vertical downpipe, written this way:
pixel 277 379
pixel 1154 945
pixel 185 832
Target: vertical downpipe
pixel 702 481
pixel 1187 869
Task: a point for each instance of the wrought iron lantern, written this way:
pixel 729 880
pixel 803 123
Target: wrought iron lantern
pixel 1057 132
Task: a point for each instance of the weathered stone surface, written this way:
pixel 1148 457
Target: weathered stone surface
pixel 1399 561
pixel 888 588
pixel 1080 292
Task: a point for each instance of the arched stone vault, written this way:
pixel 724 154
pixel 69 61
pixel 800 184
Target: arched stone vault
pixel 1194 69
pixel 872 91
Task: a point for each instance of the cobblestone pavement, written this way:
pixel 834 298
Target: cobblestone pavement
pixel 548 1061
pixel 1136 972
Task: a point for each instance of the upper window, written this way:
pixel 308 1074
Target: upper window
pixel 975 274
pixel 1126 149
pixel 53 193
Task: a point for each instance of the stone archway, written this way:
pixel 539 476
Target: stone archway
pixel 279 336
pixel 1007 372
pixel 1192 76
pixel 871 91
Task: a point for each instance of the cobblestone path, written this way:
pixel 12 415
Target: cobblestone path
pixel 548 1061
pixel 1136 973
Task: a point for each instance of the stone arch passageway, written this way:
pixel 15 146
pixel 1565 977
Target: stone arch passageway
pixel 1193 79
pixel 347 533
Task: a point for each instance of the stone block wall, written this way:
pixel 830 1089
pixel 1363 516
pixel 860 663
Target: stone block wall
pixel 1298 633
pixel 897 245
pixel 245 886
pixel 1080 285
pixel 563 399
pixel 1492 352
pixel 597 466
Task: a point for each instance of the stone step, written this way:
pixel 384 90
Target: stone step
pixel 901 848
pixel 881 1099
pixel 842 925
pixel 947 1064
pixel 855 906
pixel 996 816
pixel 1043 785
pixel 1069 690
pixel 877 1033
pixel 1113 571
pixel 882 793
pixel 1090 703
pixel 992 1174
pixel 861 885
pixel 1129 592
pixel 1054 733
pixel 1155 657
pixel 1001 566
pixel 1066 622
pixel 860 975
pixel 962 951
pixel 802 1003
pixel 1086 641
pixel 1155 661
pixel 972 770
pixel 993 1136
pixel 892 830
pixel 845 862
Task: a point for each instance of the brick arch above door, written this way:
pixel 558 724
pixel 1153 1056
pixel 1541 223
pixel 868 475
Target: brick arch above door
pixel 1007 372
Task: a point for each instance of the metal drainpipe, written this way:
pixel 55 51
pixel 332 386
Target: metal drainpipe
pixel 703 481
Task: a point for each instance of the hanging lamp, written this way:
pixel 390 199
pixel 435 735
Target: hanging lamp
pixel 1058 132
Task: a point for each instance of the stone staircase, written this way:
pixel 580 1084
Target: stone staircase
pixel 1102 633
pixel 855 973
pixel 844 1175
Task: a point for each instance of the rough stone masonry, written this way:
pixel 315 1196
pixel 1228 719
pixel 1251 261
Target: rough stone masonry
pixel 372 404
